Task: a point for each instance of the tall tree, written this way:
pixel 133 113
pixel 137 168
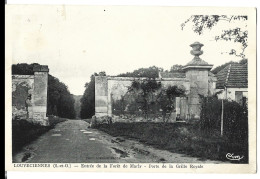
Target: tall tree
pixel 60 101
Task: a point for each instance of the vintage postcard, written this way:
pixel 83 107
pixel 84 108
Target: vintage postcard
pixel 130 89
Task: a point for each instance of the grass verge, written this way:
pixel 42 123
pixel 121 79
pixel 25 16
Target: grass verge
pixel 24 132
pixel 179 138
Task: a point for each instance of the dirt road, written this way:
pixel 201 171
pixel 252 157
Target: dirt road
pixel 73 142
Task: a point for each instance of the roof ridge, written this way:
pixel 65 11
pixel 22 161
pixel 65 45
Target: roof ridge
pixel 228 72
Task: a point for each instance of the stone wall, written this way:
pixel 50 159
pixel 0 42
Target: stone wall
pixel 198 82
pixel 101 97
pixel 22 87
pixel 108 90
pixel 29 96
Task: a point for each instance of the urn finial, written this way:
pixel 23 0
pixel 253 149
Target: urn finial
pixel 196 49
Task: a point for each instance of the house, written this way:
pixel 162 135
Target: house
pixel 232 83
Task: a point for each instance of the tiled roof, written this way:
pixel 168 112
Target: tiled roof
pixel 234 75
pixel 173 75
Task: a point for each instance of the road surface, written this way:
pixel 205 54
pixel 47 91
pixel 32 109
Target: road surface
pixel 73 142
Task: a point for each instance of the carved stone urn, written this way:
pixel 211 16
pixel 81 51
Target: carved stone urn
pixel 196 49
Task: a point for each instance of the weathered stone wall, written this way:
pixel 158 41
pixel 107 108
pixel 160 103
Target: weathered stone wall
pixel 108 90
pixel 101 91
pixel 22 87
pixel 198 86
pixel 40 97
pixel 29 96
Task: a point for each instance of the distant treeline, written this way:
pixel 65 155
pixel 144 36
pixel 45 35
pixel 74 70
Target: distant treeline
pixel 60 101
pixel 88 99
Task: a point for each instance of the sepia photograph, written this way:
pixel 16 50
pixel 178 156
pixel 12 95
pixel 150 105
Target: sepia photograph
pixel 135 85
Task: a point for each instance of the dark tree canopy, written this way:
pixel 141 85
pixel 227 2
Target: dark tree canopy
pixel 23 68
pixel 202 22
pixel 151 72
pixel 59 100
pixel 176 68
pixel 87 109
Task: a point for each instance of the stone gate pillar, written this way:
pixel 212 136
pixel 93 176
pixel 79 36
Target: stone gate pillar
pixel 101 96
pixel 197 71
pixel 40 95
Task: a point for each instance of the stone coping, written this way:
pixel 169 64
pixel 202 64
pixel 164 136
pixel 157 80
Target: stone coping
pixel 198 67
pixel 143 78
pixel 41 68
pixel 22 76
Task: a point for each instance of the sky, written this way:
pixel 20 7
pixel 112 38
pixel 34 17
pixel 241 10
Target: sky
pixel 76 41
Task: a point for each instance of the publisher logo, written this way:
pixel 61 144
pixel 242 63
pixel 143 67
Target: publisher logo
pixel 230 156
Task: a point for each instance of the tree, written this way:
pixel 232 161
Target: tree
pixel 88 99
pixel 237 35
pixel 145 90
pixel 60 100
pixel 166 99
pixel 23 68
pixel 151 72
pixel 176 68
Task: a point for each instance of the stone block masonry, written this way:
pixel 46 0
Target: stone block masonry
pixel 29 96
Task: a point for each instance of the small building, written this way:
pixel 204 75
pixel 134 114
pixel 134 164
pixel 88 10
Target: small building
pixel 232 83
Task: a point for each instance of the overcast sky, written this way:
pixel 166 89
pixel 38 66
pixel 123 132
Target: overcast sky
pixel 76 41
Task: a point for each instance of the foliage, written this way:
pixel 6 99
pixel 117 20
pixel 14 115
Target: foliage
pixel 237 35
pixel 166 99
pixel 177 138
pixel 150 95
pixel 151 72
pixel 146 90
pixel 88 99
pixel 23 68
pixel 59 102
pixel 176 68
pixel 235 118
